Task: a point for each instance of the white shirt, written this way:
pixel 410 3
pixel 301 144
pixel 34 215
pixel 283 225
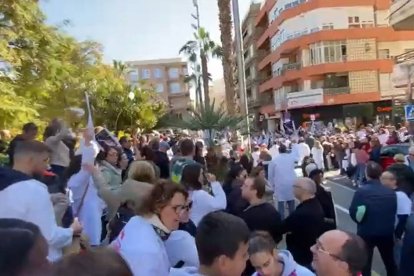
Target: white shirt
pixel 142 249
pixel 403 203
pixel 204 203
pixel 30 201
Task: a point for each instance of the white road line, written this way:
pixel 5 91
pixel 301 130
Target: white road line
pixel 340 208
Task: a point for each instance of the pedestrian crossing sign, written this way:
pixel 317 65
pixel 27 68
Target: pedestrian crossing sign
pixel 409 112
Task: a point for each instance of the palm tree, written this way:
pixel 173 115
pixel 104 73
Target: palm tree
pixel 203 45
pixel 227 60
pixel 207 118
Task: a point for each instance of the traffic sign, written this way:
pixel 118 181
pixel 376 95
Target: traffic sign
pixel 409 112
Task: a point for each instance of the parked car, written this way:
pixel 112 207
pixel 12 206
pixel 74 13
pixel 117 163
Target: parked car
pixel 388 152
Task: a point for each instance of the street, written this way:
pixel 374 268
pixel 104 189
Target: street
pixel 342 193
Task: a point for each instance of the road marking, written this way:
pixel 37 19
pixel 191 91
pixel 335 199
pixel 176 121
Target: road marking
pixel 340 208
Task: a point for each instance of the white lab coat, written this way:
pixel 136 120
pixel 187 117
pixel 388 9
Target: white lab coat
pixel 142 248
pixel 274 150
pixel 303 151
pixel 317 155
pixel 282 176
pixel 204 203
pixel 30 201
pixel 181 246
pixel 92 209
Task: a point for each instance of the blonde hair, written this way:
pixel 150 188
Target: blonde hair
pixel 142 171
pixel 135 193
pixel 317 144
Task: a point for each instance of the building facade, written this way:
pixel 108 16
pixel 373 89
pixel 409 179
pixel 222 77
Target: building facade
pixel 328 59
pixel 166 77
pixel 252 56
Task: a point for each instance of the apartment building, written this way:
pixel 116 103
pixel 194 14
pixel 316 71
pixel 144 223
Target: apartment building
pixel 252 56
pixel 166 76
pixel 328 59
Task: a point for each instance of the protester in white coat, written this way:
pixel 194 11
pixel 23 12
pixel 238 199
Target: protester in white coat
pixel 25 198
pixel 317 155
pixel 204 202
pixel 303 150
pixel 282 176
pixel 87 205
pixel 141 242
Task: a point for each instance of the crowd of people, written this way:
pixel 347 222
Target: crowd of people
pixel 158 204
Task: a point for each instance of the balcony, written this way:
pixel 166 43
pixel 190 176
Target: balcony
pixel 291 66
pixel 336 91
pixel 402 15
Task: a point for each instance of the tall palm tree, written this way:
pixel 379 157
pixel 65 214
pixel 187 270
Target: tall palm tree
pixel 227 60
pixel 206 47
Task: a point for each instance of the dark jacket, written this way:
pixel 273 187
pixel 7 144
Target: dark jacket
pixel 163 163
pixel 375 154
pixel 303 227
pixel 9 176
pixel 325 199
pixel 129 154
pixel 235 203
pixel 373 208
pixel 264 217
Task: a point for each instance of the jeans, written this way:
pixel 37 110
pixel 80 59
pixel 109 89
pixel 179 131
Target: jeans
pixel 281 207
pixel 359 173
pixel 407 251
pixel 385 247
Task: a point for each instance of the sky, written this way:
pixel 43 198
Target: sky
pixel 138 29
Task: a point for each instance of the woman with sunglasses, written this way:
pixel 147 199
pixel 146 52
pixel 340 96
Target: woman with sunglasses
pixel 205 192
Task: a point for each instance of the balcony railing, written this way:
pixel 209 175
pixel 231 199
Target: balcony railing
pixel 291 66
pixel 337 91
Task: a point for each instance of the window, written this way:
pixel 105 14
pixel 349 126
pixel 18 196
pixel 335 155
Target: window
pixel 158 73
pixel 328 52
pixel 327 26
pixel 384 53
pixel 175 87
pixel 146 74
pixel 353 22
pixel 173 73
pixel 159 87
pixel 133 76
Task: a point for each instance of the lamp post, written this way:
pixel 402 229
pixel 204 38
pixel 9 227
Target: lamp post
pixel 240 66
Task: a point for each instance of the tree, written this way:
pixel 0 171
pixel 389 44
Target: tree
pixel 44 73
pixel 206 48
pixel 209 119
pixel 227 60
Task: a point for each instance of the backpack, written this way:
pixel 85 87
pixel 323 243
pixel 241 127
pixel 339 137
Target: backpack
pixel 178 167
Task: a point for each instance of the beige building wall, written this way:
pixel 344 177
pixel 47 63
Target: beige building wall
pixel 361 49
pixel 218 92
pixel 396 48
pixel 166 77
pixel 363 81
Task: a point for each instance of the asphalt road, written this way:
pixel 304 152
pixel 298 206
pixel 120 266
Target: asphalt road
pixel 343 192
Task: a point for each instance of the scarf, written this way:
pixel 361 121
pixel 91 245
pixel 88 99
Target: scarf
pixel 159 228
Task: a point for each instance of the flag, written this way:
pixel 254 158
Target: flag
pixel 89 124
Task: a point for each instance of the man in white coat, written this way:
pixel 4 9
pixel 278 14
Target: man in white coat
pixel 282 176
pixel 303 150
pixel 23 197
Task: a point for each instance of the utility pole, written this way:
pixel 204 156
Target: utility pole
pixel 240 67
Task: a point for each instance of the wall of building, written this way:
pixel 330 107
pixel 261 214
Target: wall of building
pixel 361 49
pixel 363 81
pixel 396 47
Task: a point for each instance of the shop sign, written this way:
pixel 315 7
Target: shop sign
pixel 409 112
pixel 311 117
pixel 384 109
pixel 311 97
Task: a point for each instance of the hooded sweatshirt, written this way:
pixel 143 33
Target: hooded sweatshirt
pixel 290 267
pixel 25 198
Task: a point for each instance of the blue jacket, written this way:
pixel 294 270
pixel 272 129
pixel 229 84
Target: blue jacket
pixel 374 208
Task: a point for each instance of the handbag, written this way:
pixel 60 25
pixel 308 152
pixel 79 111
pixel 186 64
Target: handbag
pixel 79 242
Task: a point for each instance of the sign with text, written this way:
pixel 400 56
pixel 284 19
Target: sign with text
pixel 409 112
pixel 311 97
